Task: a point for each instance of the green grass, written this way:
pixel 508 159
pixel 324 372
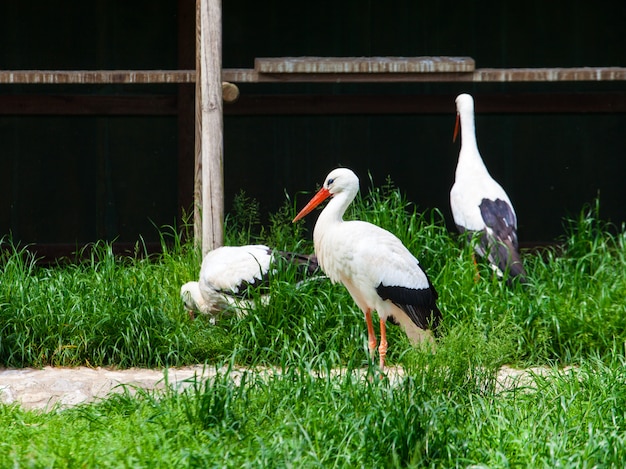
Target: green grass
pixel 446 412
pixel 296 420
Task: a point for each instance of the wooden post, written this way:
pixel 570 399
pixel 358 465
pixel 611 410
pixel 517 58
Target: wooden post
pixel 209 198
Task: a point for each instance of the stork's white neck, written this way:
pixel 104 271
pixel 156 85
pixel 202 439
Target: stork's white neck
pixel 470 160
pixel 335 209
pixel 468 128
pixel 330 219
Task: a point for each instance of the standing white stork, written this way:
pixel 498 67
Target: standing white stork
pixel 228 271
pixel 377 269
pixel 480 204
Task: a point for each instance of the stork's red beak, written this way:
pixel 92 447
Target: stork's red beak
pixel 457 125
pixel 317 199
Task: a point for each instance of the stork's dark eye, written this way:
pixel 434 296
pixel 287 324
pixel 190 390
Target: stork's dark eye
pixel 330 181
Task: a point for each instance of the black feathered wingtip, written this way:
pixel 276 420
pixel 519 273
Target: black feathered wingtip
pixel 307 261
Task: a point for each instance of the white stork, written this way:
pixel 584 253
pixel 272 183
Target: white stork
pixel 480 204
pixel 228 271
pixel 377 269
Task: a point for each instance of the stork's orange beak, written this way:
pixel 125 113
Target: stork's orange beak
pixel 317 199
pixel 457 126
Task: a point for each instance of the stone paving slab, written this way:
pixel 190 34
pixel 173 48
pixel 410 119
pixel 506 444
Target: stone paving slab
pixel 57 387
pixel 44 388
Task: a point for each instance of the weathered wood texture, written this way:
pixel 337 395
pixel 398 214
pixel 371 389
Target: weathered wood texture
pixel 493 75
pixel 197 173
pixel 209 122
pixel 230 92
pixel 209 198
pixel 365 71
pixel 364 64
pixel 89 77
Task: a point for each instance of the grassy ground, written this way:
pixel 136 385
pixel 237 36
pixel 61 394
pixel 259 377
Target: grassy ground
pixel 446 413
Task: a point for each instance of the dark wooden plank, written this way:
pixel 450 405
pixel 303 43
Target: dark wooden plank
pixel 613 102
pixel 313 104
pixel 543 103
pixel 86 105
pixel 186 109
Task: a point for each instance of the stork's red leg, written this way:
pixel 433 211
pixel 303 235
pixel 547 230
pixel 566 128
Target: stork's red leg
pixel 371 335
pixel 382 349
pixel 476 273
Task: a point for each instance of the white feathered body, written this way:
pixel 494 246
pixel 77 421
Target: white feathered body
pixel 225 273
pixel 378 271
pixel 228 272
pixel 479 204
pixel 472 184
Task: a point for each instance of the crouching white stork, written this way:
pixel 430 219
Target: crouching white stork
pixel 227 273
pixel 480 204
pixel 377 269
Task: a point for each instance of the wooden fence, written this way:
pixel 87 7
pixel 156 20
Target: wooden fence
pixel 209 79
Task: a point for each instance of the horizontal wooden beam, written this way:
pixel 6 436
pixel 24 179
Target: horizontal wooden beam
pixel 90 77
pixel 246 75
pixel 250 105
pixel 372 104
pixel 368 65
pixel 86 105
pixel 548 74
pixel 487 75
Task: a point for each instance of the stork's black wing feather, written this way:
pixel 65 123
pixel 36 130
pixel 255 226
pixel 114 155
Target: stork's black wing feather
pixel 498 215
pixel 307 264
pixel 502 245
pixel 420 304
